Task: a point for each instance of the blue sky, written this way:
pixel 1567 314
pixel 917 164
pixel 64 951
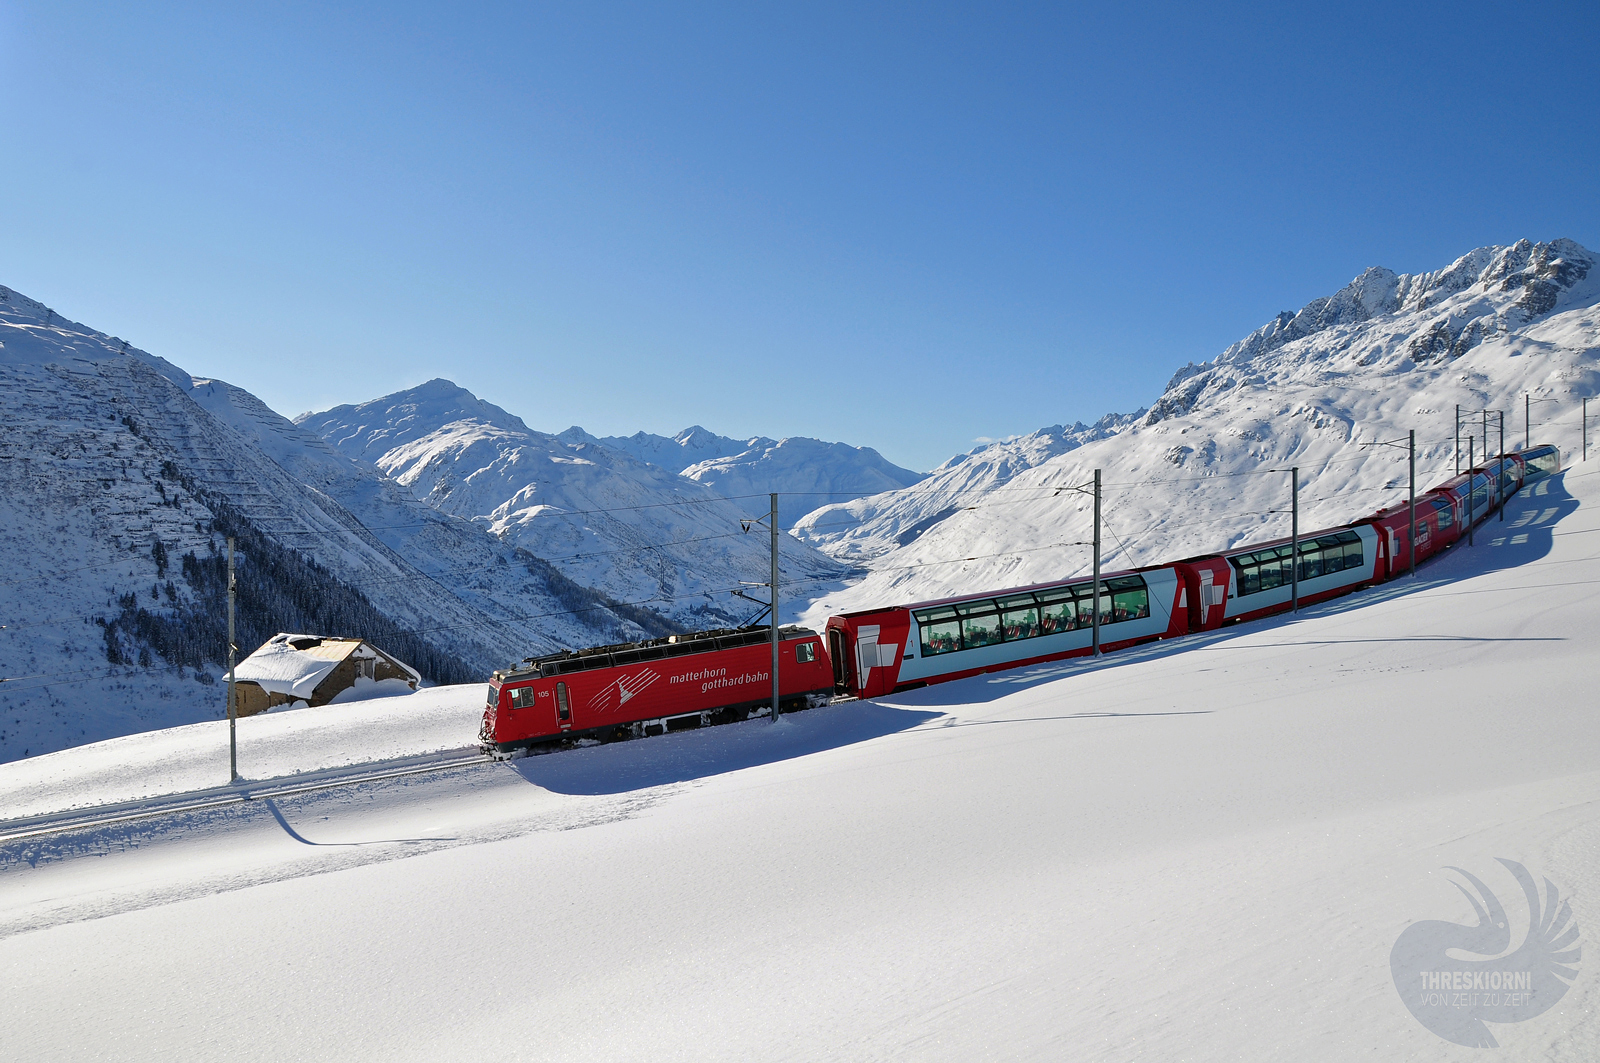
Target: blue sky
pixel 902 226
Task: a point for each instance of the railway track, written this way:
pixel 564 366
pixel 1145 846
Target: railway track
pixel 239 793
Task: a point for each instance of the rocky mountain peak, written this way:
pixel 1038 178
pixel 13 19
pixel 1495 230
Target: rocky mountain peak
pixel 1440 314
pixel 371 429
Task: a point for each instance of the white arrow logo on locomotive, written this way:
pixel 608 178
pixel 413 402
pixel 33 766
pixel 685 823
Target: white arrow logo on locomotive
pixel 615 695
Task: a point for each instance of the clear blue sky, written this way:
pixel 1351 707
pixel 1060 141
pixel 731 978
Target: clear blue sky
pixel 905 226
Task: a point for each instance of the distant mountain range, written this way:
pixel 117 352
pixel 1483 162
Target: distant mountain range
pixel 1206 466
pixel 636 530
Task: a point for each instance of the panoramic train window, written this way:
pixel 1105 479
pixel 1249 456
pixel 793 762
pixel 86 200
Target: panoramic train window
pixel 980 624
pixel 1057 612
pixel 941 631
pixel 1130 600
pixel 1268 568
pixel 1085 594
pixel 1542 460
pixel 805 653
pixel 968 625
pixel 1019 617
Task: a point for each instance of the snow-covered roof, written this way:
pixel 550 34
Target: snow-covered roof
pixel 294 664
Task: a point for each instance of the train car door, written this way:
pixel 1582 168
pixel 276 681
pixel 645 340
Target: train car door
pixel 563 707
pixel 866 656
pixel 841 663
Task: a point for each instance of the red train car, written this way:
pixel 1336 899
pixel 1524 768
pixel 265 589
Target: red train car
pixel 648 687
pixel 1442 512
pixel 1255 580
pixel 1437 528
pixel 879 651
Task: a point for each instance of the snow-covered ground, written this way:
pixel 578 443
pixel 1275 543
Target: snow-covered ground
pixel 273 745
pixel 1197 850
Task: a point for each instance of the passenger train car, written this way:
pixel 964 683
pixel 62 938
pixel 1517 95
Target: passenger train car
pixel 879 651
pixel 719 676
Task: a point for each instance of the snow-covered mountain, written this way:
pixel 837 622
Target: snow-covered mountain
pixel 1206 466
pixel 688 448
pixel 872 526
pixel 634 529
pixel 807 472
pixel 120 477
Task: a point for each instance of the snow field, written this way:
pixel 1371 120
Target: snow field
pixel 1201 850
pixel 272 745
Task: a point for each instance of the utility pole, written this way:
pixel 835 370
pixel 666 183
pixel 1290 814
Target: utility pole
pixel 774 522
pixel 1294 539
pixel 1411 533
pixel 1500 465
pixel 233 651
pixel 1527 420
pixel 1472 495
pixel 1096 620
pixel 1458 439
pixel 1585 428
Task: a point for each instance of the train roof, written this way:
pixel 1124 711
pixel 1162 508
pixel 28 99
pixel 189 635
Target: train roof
pixel 722 638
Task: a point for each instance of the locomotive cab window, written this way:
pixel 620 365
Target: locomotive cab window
pixel 805 653
pixel 522 698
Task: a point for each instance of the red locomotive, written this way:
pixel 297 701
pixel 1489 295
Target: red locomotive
pixel 719 676
pixel 641 688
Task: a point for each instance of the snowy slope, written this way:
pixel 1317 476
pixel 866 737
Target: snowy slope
pixel 1206 467
pixel 1203 850
pixel 636 530
pixel 116 465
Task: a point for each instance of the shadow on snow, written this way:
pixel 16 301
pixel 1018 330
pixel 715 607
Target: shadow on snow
pixel 688 755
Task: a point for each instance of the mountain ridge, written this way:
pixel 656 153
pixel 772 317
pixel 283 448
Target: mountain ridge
pixel 120 476
pixel 1385 354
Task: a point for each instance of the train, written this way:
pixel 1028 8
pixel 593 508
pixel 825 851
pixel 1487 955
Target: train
pixel 709 677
